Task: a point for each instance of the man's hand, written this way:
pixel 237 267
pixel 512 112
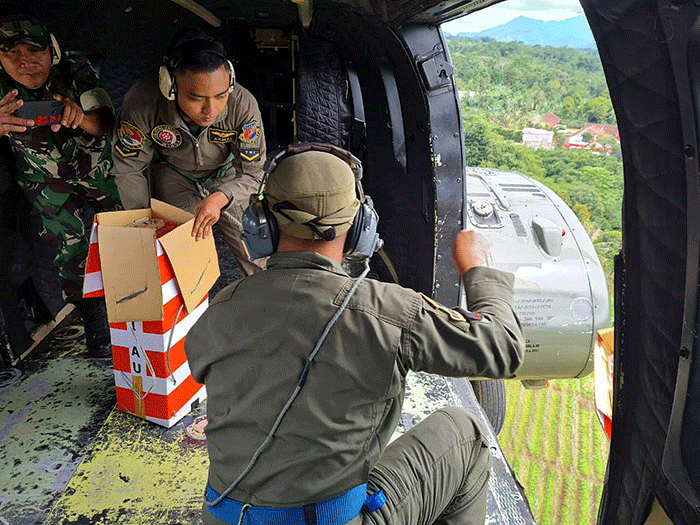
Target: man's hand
pixel 8 122
pixel 207 213
pixel 73 114
pixel 471 249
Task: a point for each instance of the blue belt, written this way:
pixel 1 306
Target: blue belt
pixel 334 511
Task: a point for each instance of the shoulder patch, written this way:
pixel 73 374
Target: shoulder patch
pixel 249 154
pixel 222 136
pixel 166 136
pixel 454 315
pixel 249 132
pixel 130 136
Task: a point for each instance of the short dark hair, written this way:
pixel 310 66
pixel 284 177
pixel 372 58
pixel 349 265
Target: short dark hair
pixel 195 50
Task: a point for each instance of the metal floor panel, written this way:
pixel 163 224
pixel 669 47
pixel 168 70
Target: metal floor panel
pixel 48 419
pixel 137 472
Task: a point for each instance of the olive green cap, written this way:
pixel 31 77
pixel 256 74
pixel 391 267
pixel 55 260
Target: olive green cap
pixel 313 195
pixel 22 31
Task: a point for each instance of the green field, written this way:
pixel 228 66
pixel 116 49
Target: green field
pixel 557 448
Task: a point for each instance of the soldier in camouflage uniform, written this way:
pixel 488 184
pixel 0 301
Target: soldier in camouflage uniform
pixel 62 168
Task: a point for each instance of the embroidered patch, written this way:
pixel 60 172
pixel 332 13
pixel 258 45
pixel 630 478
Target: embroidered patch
pixel 250 132
pixel 222 136
pixel 125 151
pixel 130 136
pixel 453 314
pixel 249 154
pixel 166 136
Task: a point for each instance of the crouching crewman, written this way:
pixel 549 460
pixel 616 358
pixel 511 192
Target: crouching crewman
pixel 305 367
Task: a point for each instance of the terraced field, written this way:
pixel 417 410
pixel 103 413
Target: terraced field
pixel 557 448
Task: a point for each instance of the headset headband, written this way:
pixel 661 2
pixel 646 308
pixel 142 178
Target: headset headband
pixel 209 45
pixel 302 147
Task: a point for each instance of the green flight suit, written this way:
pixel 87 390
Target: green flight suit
pixel 65 174
pixel 227 156
pixel 249 349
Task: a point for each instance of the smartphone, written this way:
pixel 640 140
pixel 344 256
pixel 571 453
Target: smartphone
pixel 42 112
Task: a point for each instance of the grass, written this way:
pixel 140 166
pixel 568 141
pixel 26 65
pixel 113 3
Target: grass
pixel 557 448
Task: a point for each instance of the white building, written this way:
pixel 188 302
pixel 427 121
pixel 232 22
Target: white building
pixel 538 138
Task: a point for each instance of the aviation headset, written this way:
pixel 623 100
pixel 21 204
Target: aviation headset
pixel 53 43
pixel 173 58
pixel 260 229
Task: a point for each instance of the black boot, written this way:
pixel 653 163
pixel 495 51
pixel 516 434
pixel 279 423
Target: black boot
pixel 97 338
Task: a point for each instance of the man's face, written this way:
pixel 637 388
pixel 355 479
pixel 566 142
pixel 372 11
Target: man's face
pixel 202 96
pixel 27 64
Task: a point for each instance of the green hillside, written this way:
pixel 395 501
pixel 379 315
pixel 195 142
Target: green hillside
pixel 513 83
pixel 551 436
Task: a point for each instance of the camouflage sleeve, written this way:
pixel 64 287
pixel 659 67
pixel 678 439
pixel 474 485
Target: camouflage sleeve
pixel 488 344
pixel 249 151
pixel 133 148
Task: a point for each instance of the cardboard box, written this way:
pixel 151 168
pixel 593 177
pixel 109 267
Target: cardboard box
pixel 155 290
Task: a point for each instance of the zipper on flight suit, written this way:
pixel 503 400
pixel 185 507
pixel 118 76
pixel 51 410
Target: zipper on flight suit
pixel 197 148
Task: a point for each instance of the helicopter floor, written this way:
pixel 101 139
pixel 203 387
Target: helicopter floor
pixel 69 457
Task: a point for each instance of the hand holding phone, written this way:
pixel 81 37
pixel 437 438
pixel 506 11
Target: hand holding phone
pixel 9 122
pixel 73 114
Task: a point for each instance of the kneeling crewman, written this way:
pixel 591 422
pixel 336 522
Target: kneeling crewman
pixel 305 367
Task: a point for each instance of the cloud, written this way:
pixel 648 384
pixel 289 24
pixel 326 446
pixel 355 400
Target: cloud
pixel 507 11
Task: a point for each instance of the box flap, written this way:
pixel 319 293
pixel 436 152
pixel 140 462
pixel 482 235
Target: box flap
pixel 163 210
pixel 195 263
pixel 120 218
pixel 130 273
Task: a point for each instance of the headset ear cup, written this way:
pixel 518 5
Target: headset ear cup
pixel 363 240
pixel 55 50
pixel 166 83
pixel 354 231
pixel 274 229
pixel 231 76
pixel 260 232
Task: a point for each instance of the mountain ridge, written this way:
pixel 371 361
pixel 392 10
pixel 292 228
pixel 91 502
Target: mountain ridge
pixel 570 32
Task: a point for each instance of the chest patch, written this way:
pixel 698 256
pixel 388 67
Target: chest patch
pixel 222 136
pixel 250 132
pixel 166 136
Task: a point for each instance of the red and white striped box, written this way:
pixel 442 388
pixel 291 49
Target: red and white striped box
pixel 151 372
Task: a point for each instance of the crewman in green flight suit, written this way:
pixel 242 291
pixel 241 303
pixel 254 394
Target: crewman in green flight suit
pixel 305 367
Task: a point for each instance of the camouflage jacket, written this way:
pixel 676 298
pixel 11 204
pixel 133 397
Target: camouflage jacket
pixel 50 164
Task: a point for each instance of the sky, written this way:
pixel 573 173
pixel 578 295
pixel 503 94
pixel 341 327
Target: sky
pixel 510 9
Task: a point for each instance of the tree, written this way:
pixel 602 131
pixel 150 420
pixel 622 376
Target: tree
pixel 476 142
pixel 598 109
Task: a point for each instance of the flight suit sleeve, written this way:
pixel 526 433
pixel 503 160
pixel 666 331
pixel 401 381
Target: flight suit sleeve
pixel 249 153
pixel 450 343
pixel 133 148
